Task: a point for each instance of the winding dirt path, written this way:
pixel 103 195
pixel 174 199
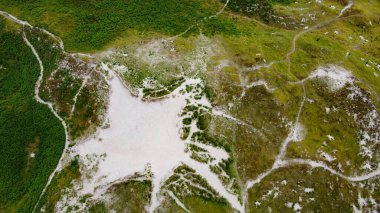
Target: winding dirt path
pixel 50 105
pixel 36 92
pixel 280 161
pixel 201 21
pixel 319 25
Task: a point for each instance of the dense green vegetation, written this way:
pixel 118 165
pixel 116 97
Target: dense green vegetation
pixel 254 8
pixel 31 137
pixel 282 1
pixel 130 196
pixel 89 25
pixel 195 204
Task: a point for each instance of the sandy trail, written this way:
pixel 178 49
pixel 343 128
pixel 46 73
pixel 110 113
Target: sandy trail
pixel 280 162
pixel 50 105
pixel 25 23
pixel 197 24
pixel 36 93
pixel 312 164
pixel 78 93
pixel 319 25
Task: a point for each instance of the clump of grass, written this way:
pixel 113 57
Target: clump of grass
pixel 253 8
pixel 130 196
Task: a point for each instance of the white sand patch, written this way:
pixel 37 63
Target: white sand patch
pixel 179 203
pixel 347 7
pixel 289 204
pixel 222 64
pixel 297 207
pixel 205 49
pixel 120 68
pixel 298 133
pixel 145 134
pixel 363 38
pixel 162 51
pixel 366 204
pixel 327 157
pixel 336 77
pixel 257 83
pixel 155 52
pixel 261 83
pixel 309 190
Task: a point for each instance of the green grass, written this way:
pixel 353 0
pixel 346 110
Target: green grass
pixel 131 196
pixel 320 49
pixel 331 194
pixel 194 204
pixel 26 127
pixel 319 124
pixel 255 154
pixel 90 25
pixel 199 204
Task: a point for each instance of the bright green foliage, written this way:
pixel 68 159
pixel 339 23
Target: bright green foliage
pixel 27 127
